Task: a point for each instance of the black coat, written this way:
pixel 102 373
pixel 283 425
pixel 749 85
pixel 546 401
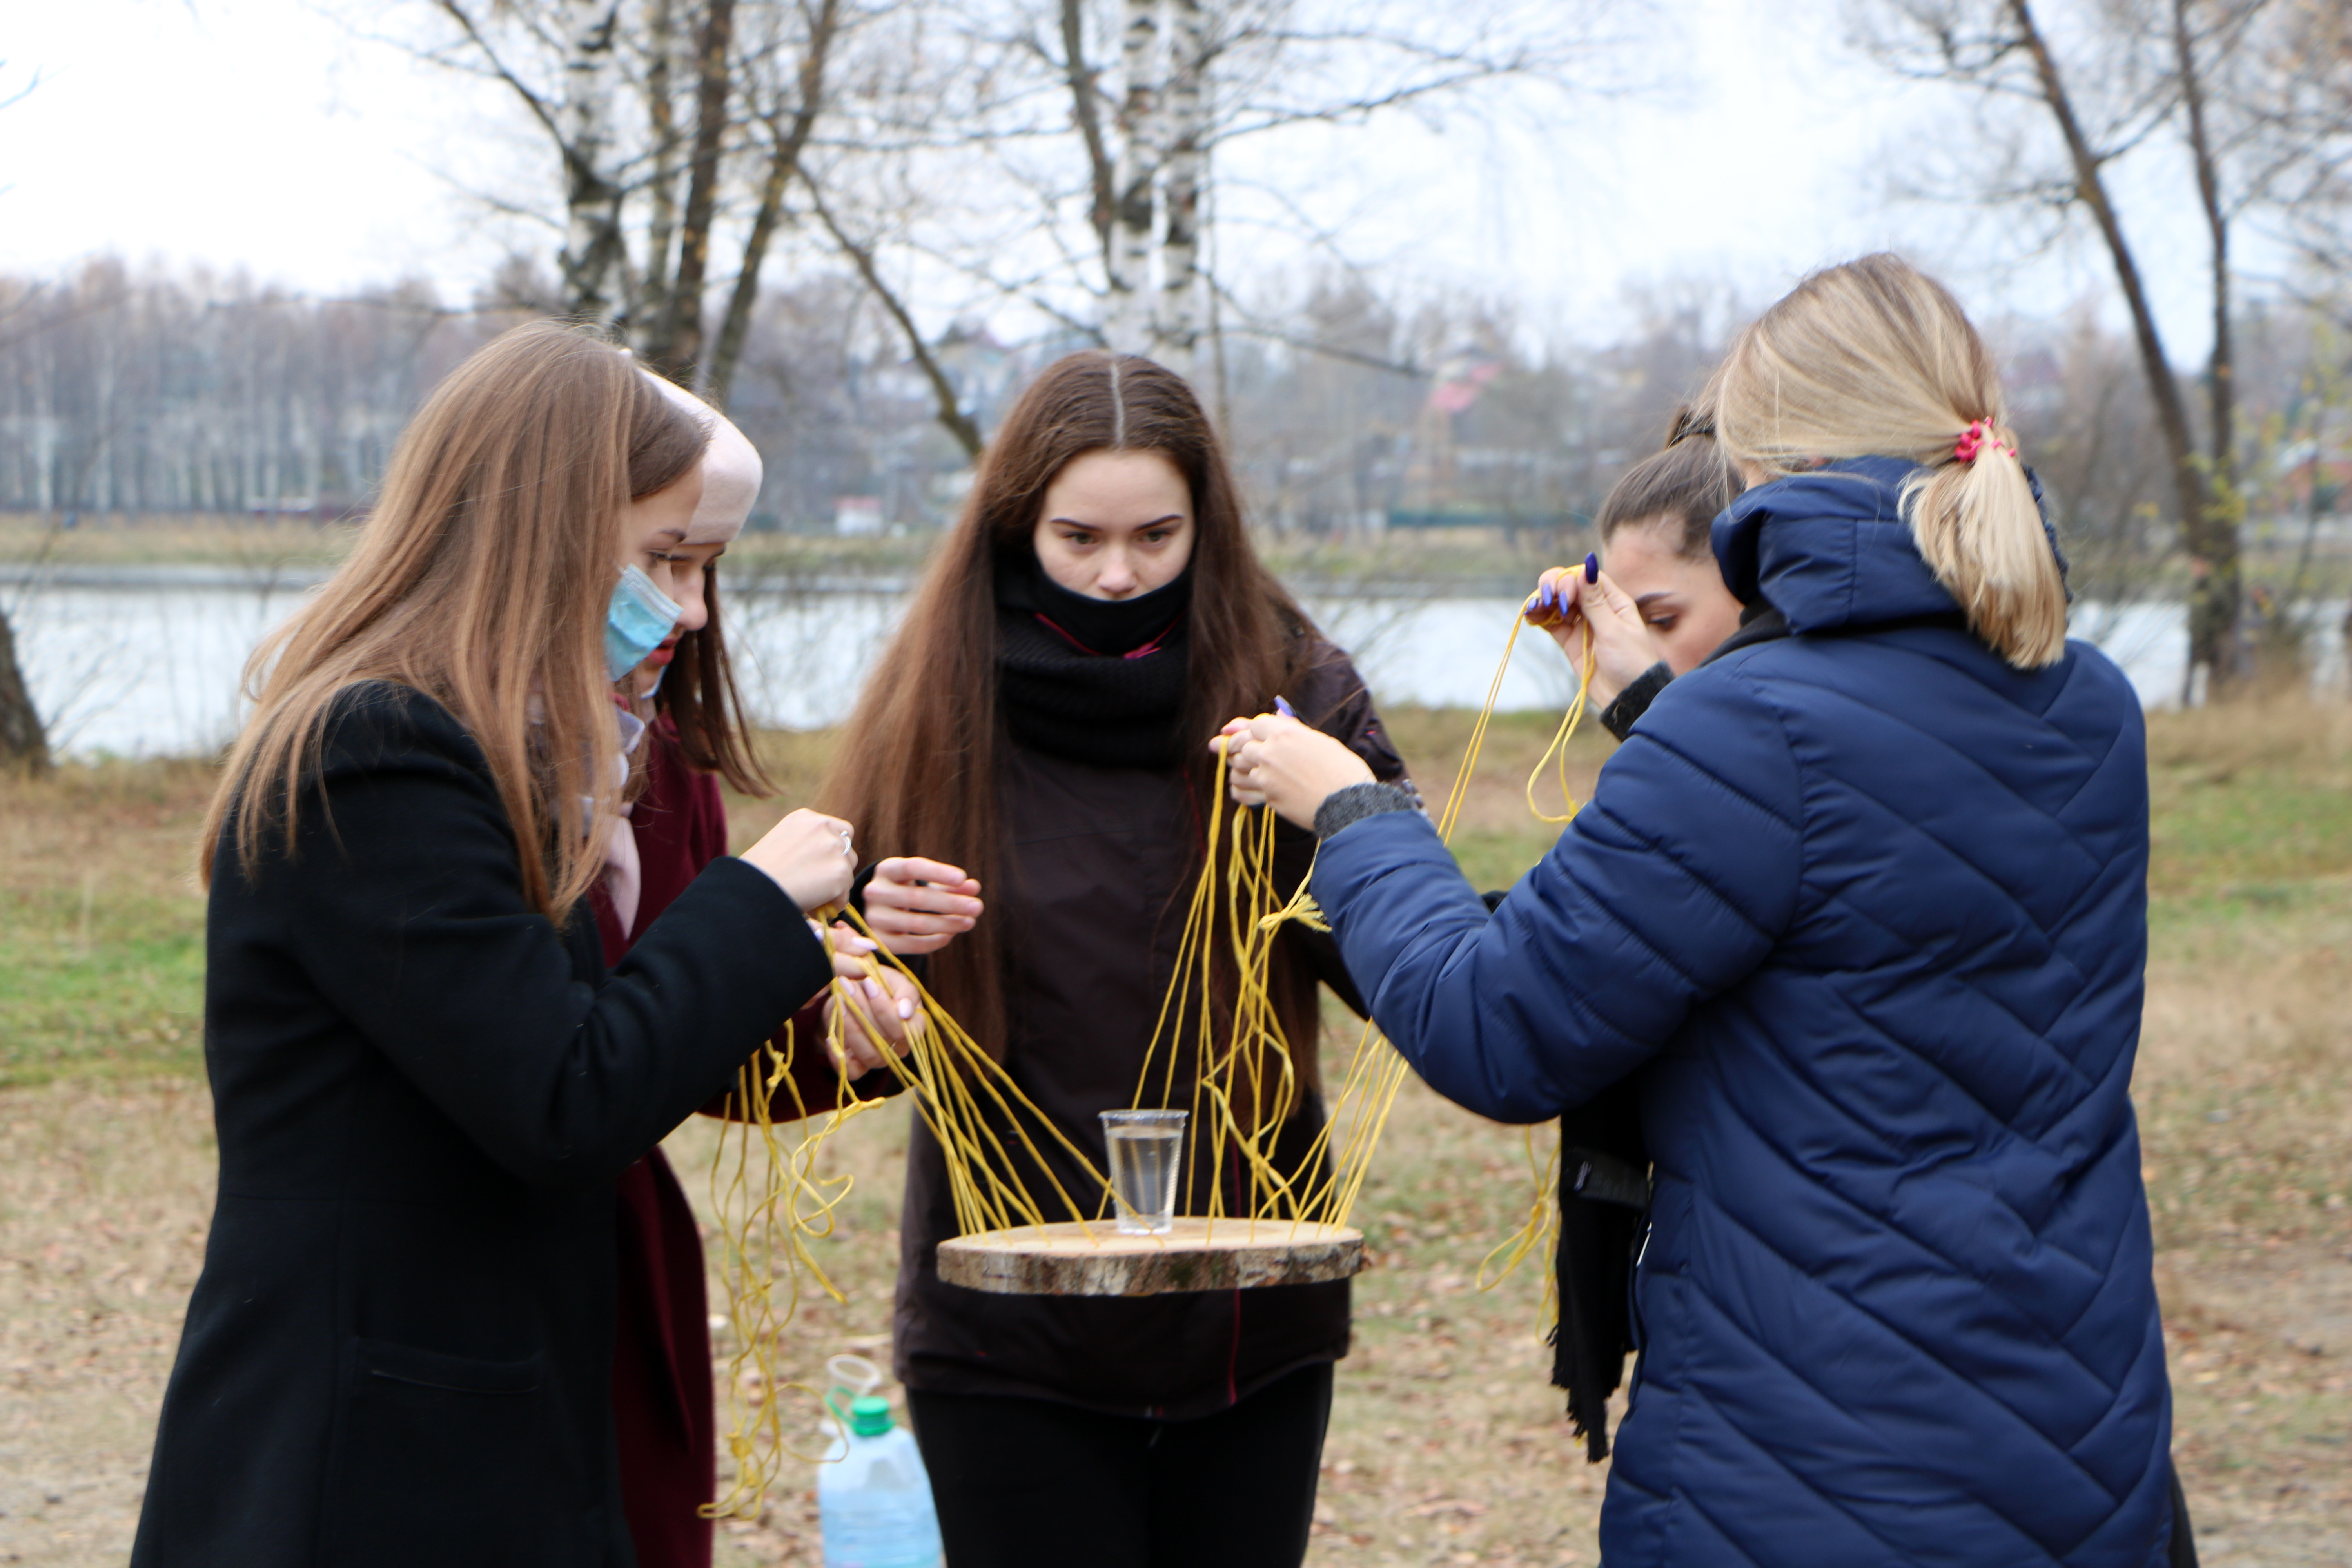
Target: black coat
pixel 400 1348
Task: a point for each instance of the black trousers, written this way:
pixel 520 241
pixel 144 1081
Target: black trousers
pixel 1027 1483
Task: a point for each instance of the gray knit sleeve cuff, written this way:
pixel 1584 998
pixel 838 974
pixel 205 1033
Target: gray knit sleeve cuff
pixel 1634 700
pixel 1344 807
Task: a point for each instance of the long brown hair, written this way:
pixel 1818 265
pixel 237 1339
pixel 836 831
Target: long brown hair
pixel 916 768
pixel 480 581
pixel 702 698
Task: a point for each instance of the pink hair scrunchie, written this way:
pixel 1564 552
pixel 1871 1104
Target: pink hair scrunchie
pixel 1976 440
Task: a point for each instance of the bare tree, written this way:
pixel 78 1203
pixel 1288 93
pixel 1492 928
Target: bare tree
pixel 179 391
pixel 671 339
pixel 1125 317
pixel 1198 76
pixel 951 412
pixel 24 741
pixel 1085 194
pixel 786 108
pixel 583 37
pixel 2081 388
pixel 726 122
pixel 2195 69
pixel 2301 101
pixel 592 249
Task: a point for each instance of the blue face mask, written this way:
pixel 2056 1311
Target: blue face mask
pixel 637 620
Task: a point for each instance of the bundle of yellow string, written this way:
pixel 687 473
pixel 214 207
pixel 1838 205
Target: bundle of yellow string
pixel 1247 1060
pixel 769 1210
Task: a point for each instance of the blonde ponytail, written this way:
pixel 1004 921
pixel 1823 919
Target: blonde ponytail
pixel 1877 359
pixel 1974 521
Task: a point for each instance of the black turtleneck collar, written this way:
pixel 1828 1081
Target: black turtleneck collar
pixel 1109 627
pixel 1095 680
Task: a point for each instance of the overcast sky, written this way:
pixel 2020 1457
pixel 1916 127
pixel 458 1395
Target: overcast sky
pixel 265 135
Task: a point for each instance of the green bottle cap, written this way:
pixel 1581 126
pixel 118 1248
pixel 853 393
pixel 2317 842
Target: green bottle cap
pixel 869 1416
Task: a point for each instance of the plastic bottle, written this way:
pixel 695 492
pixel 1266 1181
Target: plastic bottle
pixel 875 1501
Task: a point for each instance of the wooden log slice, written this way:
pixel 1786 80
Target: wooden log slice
pixel 1094 1259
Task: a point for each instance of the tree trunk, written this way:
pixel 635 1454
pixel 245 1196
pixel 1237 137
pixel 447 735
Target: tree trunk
pixel 651 306
pixel 1176 327
pixel 2189 496
pixel 681 341
pixel 2214 540
pixel 24 744
pixel 593 246
pixel 1127 314
pixel 1086 113
pixel 787 145
pixel 2345 632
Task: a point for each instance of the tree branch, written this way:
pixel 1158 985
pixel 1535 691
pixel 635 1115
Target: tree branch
pixel 951 410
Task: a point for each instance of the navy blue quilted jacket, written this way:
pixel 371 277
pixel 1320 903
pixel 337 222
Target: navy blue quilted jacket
pixel 1866 910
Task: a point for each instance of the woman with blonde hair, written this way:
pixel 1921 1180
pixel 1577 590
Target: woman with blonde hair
pixel 425 1078
pixel 1860 911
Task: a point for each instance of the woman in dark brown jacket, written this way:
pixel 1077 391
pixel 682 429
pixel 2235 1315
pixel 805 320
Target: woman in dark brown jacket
pixel 1043 718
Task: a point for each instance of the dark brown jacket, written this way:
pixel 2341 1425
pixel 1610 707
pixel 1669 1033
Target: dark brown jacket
pixel 1098 871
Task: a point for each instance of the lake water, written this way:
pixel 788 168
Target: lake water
pixel 143 662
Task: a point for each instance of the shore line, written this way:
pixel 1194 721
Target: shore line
pixel 751 577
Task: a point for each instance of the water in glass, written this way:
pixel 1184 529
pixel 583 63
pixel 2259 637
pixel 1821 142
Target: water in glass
pixel 1144 1159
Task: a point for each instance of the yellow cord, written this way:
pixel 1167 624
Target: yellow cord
pixel 1558 747
pixel 1245 1085
pixel 1538 1231
pixel 1533 1237
pixel 767 1218
pixel 764 1227
pixel 1248 1062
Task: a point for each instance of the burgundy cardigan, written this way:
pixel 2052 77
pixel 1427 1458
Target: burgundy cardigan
pixel 661 1341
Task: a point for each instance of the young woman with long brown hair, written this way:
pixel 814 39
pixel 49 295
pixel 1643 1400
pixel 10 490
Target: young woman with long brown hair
pixel 1042 719
pixel 425 1077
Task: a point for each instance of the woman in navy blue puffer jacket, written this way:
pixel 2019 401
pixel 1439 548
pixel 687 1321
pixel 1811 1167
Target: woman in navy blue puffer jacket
pixel 1863 910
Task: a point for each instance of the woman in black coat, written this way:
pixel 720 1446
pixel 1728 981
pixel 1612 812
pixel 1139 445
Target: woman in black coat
pixel 1038 720
pixel 426 1081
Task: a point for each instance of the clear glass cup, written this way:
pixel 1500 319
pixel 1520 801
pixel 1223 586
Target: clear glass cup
pixel 1147 1151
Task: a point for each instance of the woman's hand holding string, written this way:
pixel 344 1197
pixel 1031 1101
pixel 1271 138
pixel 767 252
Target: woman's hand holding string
pixel 1277 761
pixel 1568 599
pixel 811 857
pixel 878 1017
pixel 919 905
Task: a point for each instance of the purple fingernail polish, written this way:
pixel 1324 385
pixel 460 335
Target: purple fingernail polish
pixel 1593 568
pixel 1285 708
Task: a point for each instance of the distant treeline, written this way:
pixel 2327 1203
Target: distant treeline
pixel 187 391
pixel 183 391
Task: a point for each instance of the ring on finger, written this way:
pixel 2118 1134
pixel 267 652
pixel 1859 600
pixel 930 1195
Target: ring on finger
pixel 849 848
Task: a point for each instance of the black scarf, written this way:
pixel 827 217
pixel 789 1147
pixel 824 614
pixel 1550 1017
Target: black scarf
pixel 1094 680
pixel 1603 1211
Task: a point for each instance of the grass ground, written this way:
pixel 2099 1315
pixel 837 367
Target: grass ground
pixel 1446 1446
